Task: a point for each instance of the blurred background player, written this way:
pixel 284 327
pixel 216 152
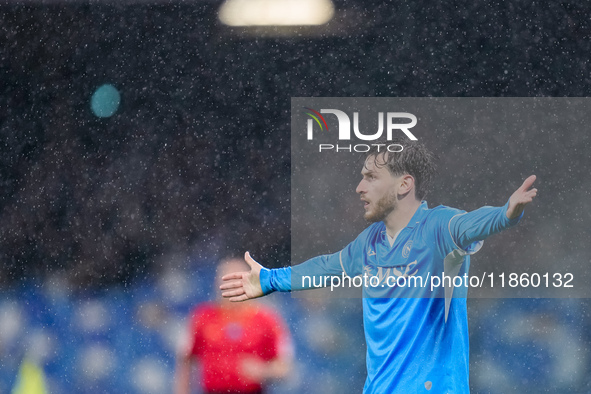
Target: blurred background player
pixel 227 362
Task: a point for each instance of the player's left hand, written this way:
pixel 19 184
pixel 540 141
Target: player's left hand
pixel 522 196
pixel 254 369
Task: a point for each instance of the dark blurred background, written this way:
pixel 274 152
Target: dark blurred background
pixel 186 158
pixel 195 163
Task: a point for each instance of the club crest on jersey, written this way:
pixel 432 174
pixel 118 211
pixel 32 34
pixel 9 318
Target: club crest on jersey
pixel 406 249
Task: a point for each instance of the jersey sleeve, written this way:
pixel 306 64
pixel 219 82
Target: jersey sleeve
pixel 195 333
pixel 278 336
pixel 464 232
pixel 348 261
pixel 466 229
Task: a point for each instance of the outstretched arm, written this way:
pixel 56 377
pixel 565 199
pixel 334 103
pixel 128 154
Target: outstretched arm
pixel 486 221
pixel 242 286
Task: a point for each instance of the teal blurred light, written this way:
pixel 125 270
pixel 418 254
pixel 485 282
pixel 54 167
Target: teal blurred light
pixel 105 101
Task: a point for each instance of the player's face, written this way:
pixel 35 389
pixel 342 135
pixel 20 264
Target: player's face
pixel 378 190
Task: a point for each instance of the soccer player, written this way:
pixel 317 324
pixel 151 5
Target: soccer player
pixel 417 337
pixel 239 347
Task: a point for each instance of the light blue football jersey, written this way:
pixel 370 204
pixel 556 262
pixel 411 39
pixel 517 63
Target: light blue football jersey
pixel 416 333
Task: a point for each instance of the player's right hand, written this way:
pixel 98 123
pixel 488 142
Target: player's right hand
pixel 242 286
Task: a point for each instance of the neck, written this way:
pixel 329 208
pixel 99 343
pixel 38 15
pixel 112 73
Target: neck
pixel 229 306
pixel 401 215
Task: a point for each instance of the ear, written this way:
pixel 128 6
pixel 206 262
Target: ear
pixel 407 184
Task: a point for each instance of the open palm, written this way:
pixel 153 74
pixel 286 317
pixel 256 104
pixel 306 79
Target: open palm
pixel 242 286
pixel 521 197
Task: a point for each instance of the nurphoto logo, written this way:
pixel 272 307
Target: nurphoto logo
pixel 395 122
